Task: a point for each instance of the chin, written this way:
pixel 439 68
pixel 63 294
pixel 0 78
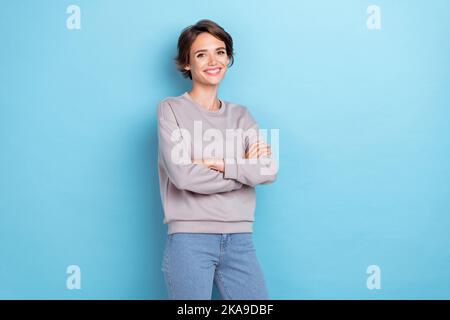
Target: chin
pixel 211 82
pixel 214 82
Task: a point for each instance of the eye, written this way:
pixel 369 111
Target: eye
pixel 221 52
pixel 200 55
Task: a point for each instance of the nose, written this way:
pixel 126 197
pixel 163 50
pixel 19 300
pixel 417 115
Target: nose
pixel 211 60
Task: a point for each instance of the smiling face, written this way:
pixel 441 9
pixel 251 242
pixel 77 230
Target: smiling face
pixel 208 59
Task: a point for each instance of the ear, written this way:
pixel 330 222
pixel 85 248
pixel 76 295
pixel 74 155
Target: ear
pixel 187 67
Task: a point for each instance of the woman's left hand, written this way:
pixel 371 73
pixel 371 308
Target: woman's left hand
pixel 214 164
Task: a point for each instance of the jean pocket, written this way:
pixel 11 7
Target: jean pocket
pixel 244 240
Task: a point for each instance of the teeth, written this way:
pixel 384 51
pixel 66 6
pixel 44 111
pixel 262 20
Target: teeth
pixel 213 71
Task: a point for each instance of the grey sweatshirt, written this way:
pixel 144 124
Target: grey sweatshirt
pixel 196 198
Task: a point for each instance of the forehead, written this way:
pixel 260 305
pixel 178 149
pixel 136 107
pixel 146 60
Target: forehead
pixel 206 41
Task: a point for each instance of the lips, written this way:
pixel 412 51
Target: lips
pixel 212 71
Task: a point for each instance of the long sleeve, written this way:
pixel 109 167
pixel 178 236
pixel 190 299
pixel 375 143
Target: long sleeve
pixel 252 171
pixel 186 176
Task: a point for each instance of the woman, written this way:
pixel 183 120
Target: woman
pixel 208 199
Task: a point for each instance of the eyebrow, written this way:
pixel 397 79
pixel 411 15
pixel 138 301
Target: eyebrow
pixel 202 50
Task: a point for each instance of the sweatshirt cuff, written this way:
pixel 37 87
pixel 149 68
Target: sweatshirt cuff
pixel 230 170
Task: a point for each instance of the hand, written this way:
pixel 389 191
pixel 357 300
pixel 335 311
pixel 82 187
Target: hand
pixel 258 149
pixel 214 164
pixel 198 161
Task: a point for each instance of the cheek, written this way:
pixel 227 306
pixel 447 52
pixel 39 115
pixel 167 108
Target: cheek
pixel 225 68
pixel 195 63
pixel 225 61
pixel 198 66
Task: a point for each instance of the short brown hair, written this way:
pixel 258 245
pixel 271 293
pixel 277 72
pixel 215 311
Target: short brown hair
pixel 188 36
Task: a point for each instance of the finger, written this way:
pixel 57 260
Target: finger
pixel 259 148
pixel 253 153
pixel 264 151
pixel 265 147
pixel 256 146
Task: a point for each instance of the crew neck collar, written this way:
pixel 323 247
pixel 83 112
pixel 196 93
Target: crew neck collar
pixel 203 109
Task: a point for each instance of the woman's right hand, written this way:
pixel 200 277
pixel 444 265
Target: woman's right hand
pixel 257 150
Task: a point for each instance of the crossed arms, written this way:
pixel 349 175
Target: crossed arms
pixel 208 176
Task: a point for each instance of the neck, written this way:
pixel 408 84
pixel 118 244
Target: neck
pixel 206 96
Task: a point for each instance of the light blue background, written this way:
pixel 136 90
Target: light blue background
pixel 364 144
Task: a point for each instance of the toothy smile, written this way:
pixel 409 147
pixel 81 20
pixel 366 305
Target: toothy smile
pixel 212 71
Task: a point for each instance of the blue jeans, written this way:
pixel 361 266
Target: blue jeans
pixel 192 262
